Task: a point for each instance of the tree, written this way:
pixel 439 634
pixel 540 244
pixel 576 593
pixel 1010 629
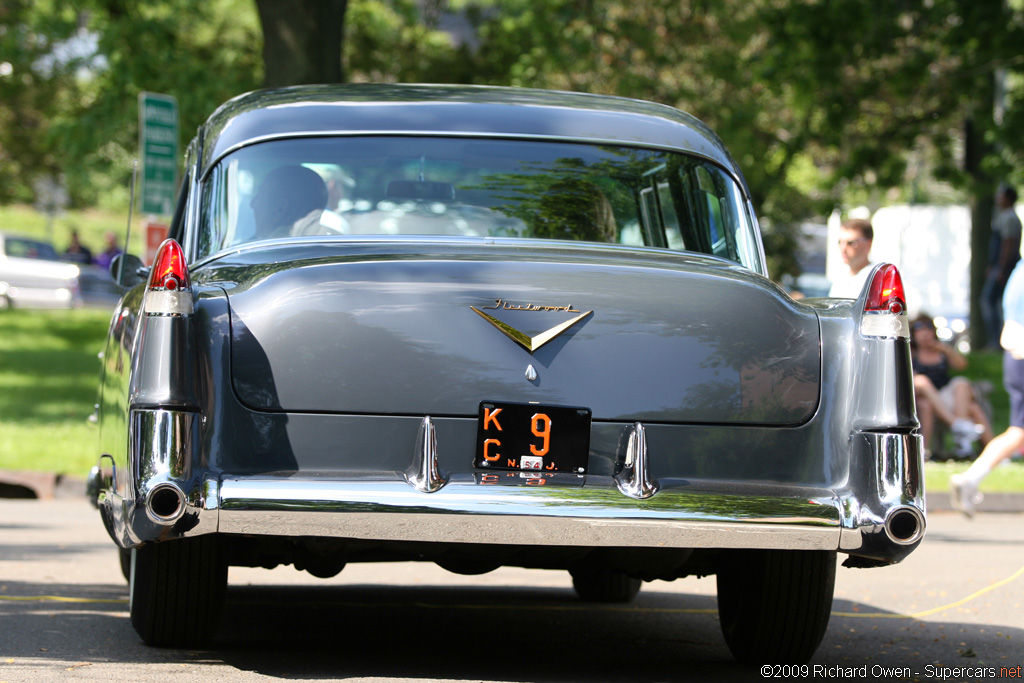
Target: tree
pixel 73 75
pixel 37 73
pixel 201 53
pixel 75 113
pixel 819 101
pixel 402 41
pixel 302 41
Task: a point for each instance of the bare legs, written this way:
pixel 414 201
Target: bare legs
pixel 966 412
pixel 963 488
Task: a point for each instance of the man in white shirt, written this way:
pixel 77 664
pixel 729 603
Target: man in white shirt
pixel 855 237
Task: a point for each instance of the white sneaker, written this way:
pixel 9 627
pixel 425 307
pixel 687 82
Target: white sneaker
pixel 963 495
pixel 965 433
pixel 962 427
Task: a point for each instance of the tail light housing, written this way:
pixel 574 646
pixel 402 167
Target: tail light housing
pixel 885 305
pixel 169 290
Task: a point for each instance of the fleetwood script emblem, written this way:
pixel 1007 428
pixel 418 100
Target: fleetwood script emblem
pixel 529 343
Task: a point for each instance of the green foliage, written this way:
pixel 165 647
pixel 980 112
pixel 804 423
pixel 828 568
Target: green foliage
pixel 821 102
pixel 31 84
pixel 391 42
pixel 817 100
pixel 76 73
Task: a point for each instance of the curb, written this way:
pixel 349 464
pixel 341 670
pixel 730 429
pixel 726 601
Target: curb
pixel 993 502
pixel 40 485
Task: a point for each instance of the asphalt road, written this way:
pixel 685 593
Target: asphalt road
pixel 955 604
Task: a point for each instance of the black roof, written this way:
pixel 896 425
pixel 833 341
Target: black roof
pixel 302 111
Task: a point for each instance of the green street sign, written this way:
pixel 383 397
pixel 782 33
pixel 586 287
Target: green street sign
pixel 158 142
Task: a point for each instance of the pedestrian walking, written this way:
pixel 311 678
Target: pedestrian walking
pixel 963 488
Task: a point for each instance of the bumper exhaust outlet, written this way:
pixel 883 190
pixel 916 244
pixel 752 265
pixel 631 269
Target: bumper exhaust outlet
pixel 904 525
pixel 165 503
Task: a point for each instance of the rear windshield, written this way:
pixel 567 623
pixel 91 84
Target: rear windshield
pixel 474 188
pixel 24 248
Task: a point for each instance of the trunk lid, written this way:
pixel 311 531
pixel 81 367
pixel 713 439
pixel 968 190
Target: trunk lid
pixel 417 329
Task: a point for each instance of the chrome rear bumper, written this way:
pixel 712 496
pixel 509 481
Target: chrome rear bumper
pixel 523 515
pixel 878 515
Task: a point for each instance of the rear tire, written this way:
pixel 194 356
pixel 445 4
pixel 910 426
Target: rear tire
pixel 177 591
pixel 124 556
pixel 605 585
pixel 774 605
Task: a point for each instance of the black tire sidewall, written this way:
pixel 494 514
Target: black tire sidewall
pixel 774 605
pixel 176 591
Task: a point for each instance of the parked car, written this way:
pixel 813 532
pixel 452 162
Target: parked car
pixel 491 327
pixel 98 287
pixel 32 277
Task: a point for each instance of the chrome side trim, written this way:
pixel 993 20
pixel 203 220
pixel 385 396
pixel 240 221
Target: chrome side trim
pixel 168 494
pixel 424 474
pixel 635 479
pixel 465 512
pixel 161 446
pixel 884 325
pixel 168 303
pixel 890 469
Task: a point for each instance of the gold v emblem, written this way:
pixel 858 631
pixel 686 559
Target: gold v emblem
pixel 529 343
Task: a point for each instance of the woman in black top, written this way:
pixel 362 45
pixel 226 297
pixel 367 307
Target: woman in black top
pixel 953 400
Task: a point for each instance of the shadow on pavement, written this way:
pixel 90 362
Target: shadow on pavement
pixel 474 633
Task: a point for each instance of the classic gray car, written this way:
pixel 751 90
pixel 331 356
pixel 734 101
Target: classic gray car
pixel 491 327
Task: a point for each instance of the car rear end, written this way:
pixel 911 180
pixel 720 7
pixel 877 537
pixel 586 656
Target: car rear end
pixel 450 371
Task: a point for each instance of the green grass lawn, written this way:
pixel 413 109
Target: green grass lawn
pixel 1007 478
pixel 49 371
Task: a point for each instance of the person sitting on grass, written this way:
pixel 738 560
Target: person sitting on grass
pixel 954 400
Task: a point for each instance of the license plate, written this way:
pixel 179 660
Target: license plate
pixel 532 438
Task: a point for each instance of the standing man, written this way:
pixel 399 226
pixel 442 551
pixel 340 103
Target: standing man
pixel 855 237
pixel 1003 254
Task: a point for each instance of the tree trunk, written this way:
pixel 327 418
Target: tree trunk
pixel 302 41
pixel 981 205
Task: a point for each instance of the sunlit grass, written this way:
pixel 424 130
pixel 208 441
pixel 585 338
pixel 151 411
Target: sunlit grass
pixel 1008 477
pixel 49 372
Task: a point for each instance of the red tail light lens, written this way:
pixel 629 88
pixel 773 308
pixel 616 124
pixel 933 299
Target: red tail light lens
pixel 169 291
pixel 886 291
pixel 169 269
